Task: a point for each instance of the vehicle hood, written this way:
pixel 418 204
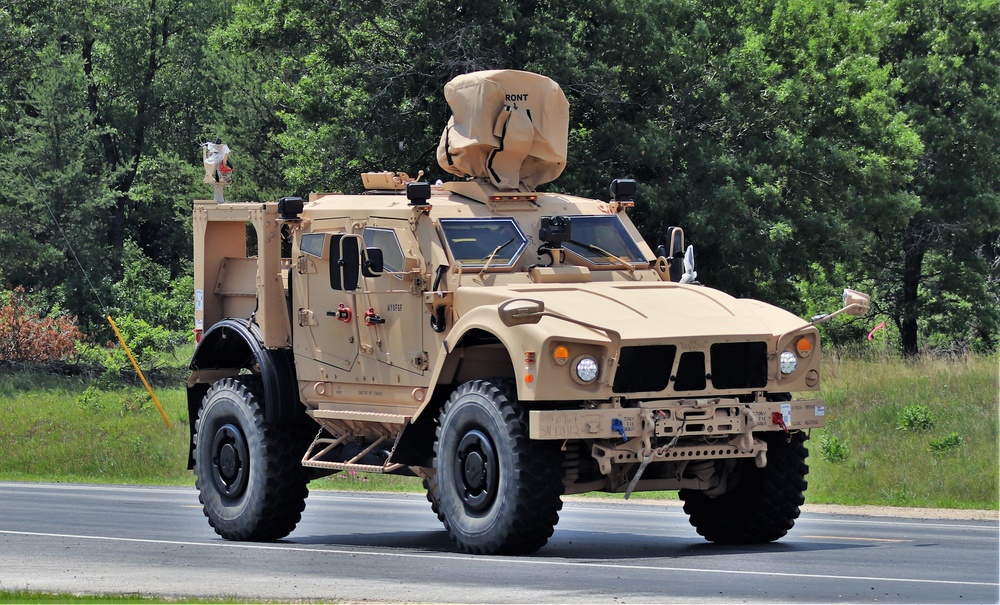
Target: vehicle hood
pixel 642 312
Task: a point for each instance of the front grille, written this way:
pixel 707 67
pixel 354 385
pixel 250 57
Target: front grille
pixel 691 372
pixel 735 365
pixel 739 365
pixel 644 369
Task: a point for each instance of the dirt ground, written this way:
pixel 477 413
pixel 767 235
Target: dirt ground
pixel 902 511
pixel 865 511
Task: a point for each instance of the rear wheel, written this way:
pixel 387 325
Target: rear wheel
pixel 761 504
pixel 497 490
pixel 249 475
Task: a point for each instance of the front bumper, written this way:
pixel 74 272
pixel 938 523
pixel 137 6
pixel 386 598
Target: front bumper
pixel 679 430
pixel 715 417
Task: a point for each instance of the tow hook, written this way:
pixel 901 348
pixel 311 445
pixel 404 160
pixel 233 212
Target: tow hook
pixel 648 427
pixel 779 419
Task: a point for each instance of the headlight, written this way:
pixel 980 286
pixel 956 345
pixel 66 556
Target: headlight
pixel 788 362
pixel 586 369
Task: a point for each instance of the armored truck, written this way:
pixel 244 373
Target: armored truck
pixel 506 345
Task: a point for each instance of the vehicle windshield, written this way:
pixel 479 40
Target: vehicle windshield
pixel 595 237
pixel 478 241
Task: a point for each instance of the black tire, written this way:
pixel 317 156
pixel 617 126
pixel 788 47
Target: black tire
pixel 498 491
pixel 762 504
pixel 249 474
pixel 432 497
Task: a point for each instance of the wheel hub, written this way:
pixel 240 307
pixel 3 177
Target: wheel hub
pixel 230 461
pixel 476 470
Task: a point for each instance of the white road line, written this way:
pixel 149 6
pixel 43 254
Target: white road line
pixel 533 562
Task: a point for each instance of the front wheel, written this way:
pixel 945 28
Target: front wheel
pixel 498 491
pixel 761 504
pixel 249 475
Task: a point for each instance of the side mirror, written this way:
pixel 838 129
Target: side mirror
pixel 521 311
pixel 675 253
pixel 372 264
pixel 345 261
pixel 856 303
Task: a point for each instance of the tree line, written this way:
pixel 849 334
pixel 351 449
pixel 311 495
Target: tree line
pixel 804 145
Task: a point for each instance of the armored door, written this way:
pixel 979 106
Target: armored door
pixel 396 317
pixel 325 313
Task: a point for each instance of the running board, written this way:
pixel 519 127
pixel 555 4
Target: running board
pixel 322 445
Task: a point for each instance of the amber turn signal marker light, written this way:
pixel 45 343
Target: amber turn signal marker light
pixel 560 355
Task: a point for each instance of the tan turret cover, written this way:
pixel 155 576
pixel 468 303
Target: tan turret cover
pixel 509 126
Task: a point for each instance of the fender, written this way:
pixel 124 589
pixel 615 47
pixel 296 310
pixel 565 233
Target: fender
pixel 414 446
pixel 482 319
pixel 231 345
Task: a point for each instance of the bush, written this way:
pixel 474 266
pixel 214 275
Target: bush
pixel 945 445
pixel 27 338
pixel 90 399
pixel 915 418
pixel 832 449
pixel 146 342
pixel 146 290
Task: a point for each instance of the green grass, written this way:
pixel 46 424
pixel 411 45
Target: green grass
pixel 52 431
pixel 68 429
pixel 879 408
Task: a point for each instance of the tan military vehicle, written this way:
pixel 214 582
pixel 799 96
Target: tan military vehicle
pixel 507 345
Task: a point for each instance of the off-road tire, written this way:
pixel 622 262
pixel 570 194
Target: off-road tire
pixel 249 474
pixel 762 503
pixel 498 491
pixel 432 497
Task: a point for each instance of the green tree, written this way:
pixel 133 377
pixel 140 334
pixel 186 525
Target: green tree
pixel 800 143
pixel 103 122
pixel 939 270
pixel 53 196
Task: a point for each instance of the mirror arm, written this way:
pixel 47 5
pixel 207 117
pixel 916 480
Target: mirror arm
pixel 818 319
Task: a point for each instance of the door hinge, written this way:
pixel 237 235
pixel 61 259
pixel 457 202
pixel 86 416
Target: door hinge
pixel 418 282
pixel 305 266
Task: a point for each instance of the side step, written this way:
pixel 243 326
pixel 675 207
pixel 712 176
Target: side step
pixel 322 445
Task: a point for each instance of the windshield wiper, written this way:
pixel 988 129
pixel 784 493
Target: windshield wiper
pixel 621 261
pixel 489 259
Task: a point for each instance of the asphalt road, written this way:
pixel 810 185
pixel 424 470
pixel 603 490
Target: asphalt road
pixel 352 547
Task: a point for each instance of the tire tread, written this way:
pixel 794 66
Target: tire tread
pixel 284 480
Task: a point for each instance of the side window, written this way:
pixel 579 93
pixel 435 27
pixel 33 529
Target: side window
pixel 385 240
pixel 314 244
